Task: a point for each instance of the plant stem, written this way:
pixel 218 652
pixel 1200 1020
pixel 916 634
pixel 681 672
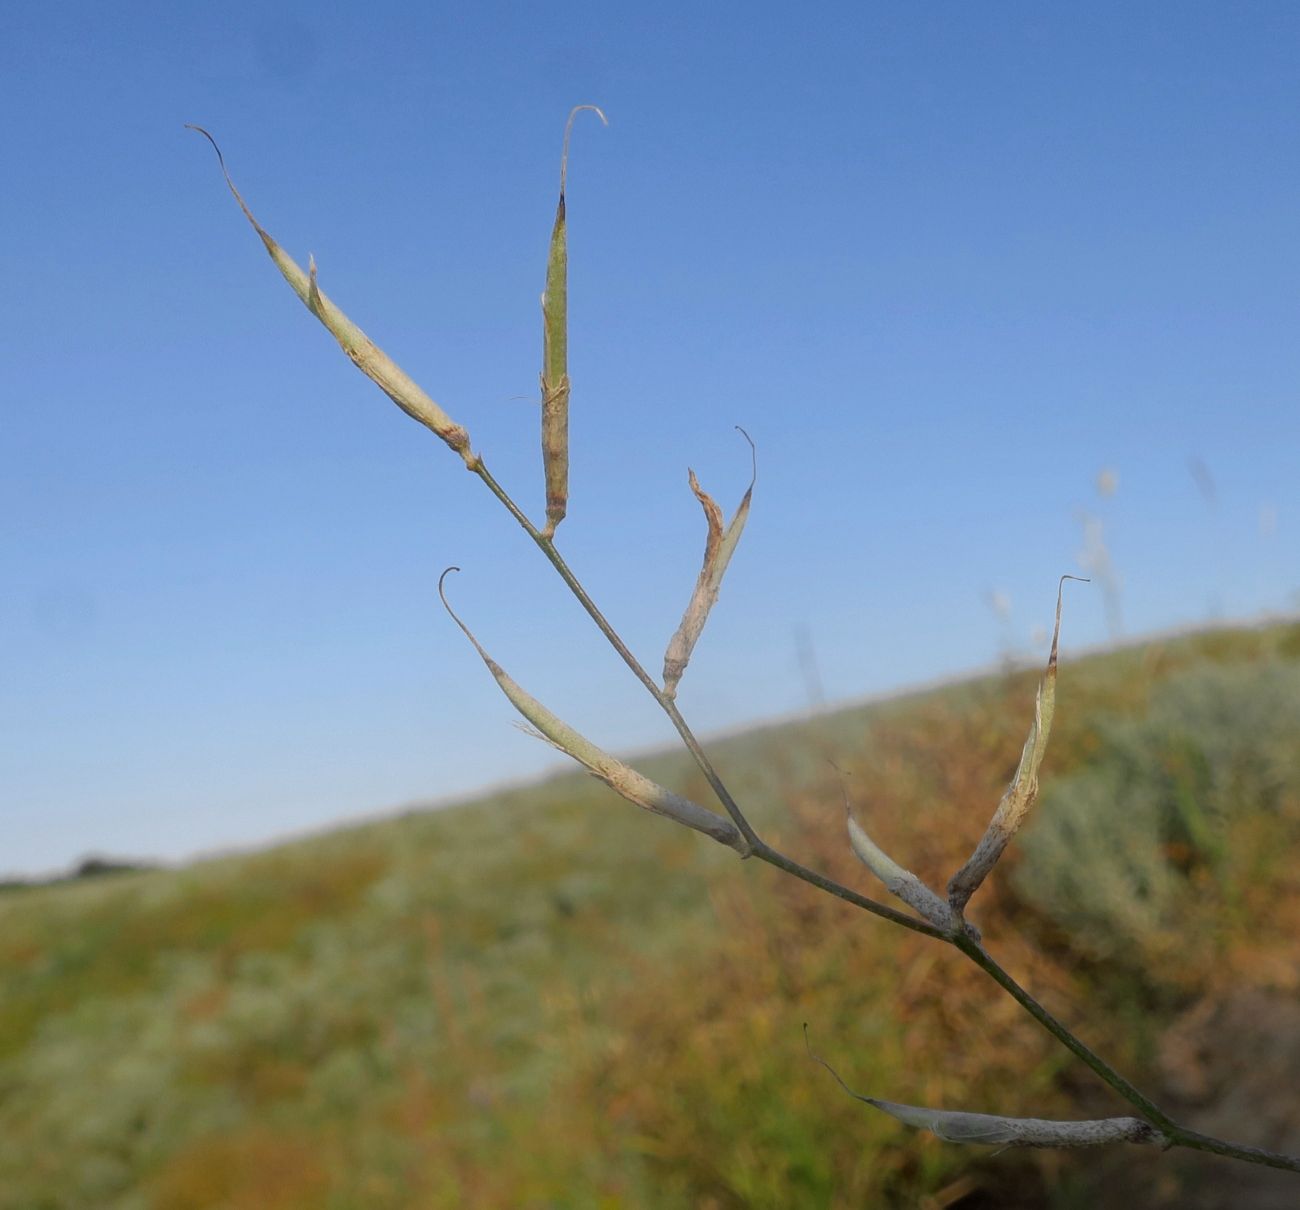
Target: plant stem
pixel 1177 1135
pixel 407 395
pixel 757 847
pixel 765 852
pixel 547 546
pixel 1236 1151
pixel 981 957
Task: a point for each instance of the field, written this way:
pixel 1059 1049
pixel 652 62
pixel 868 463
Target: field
pixel 550 999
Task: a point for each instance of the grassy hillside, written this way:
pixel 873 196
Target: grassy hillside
pixel 550 999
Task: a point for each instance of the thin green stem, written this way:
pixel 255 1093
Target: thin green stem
pixel 668 706
pixel 1177 1135
pixel 1236 1151
pixel 405 393
pixel 980 956
pixel 757 847
pixel 547 546
pixel 765 852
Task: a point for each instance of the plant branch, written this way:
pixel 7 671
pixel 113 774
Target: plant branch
pixel 765 852
pixel 1177 1136
pixel 547 546
pixel 981 957
pixel 756 847
pixel 408 396
pixel 1237 1151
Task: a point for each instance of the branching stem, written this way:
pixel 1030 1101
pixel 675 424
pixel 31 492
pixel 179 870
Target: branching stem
pixel 546 545
pixel 1178 1136
pixel 409 397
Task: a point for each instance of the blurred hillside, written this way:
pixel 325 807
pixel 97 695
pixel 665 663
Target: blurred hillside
pixel 550 999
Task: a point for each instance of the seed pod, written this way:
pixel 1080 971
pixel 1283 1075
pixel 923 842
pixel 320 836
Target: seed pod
pixel 371 360
pixel 903 883
pixel 1023 790
pixel 620 777
pixel 994 1130
pixel 719 546
pixel 555 352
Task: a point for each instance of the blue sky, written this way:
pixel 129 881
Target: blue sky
pixel 945 262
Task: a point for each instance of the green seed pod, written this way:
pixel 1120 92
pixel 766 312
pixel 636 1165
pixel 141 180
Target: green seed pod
pixel 555 352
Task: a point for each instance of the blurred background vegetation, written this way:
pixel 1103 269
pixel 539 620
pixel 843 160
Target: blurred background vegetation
pixel 550 999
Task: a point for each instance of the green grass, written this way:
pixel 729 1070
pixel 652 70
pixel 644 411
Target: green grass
pixel 551 999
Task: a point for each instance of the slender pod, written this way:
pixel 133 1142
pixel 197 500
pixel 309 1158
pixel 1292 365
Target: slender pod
pixel 371 360
pixel 620 777
pixel 719 546
pixel 898 880
pixel 1023 790
pixel 555 350
pixel 995 1130
pixel 936 919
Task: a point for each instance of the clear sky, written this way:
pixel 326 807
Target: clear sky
pixel 946 262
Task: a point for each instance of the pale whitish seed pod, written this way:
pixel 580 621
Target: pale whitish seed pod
pixel 719 546
pixel 371 360
pixel 620 777
pixel 899 881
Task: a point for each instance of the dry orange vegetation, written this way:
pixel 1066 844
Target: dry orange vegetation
pixel 552 1000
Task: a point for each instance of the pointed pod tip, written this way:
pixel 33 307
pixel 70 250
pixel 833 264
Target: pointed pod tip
pixel 753 455
pixel 596 109
pixel 816 1058
pixel 442 596
pixel 1060 590
pixel 469 634
pixel 1056 630
pixel 568 130
pixel 230 184
pixel 207 135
